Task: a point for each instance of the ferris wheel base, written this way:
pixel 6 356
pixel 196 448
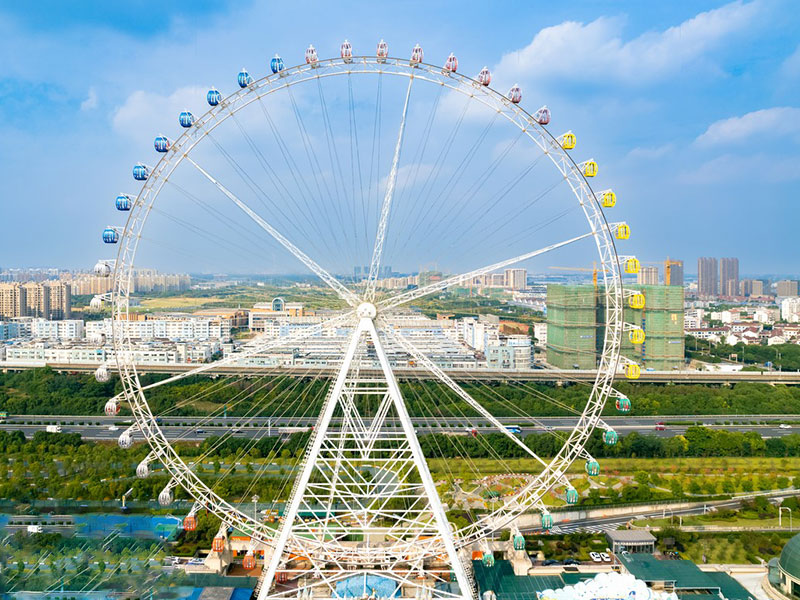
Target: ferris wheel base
pixel 437 583
pixel 364 518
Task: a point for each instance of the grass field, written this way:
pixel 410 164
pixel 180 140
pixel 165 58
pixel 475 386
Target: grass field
pixel 614 467
pixel 179 302
pixel 703 521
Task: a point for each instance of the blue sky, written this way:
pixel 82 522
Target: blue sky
pixel 692 109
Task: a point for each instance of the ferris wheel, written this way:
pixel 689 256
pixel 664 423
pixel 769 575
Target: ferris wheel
pixel 347 163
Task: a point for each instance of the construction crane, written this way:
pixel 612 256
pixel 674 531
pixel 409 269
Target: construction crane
pixel 594 270
pixel 668 264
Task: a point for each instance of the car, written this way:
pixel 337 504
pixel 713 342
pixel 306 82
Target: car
pixel 785 426
pixel 605 557
pixel 113 428
pixel 595 556
pixel 549 428
pixel 708 424
pixel 572 561
pixel 550 562
pixel 660 426
pixel 201 431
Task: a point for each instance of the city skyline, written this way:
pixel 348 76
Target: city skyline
pixel 730 96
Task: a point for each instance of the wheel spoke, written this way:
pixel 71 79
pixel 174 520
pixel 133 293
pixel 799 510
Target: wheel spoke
pixel 438 286
pixel 344 293
pixel 444 378
pixel 375 264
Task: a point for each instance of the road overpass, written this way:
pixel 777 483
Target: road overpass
pixel 557 376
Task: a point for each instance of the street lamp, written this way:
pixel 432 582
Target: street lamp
pixel 780 514
pixel 255 506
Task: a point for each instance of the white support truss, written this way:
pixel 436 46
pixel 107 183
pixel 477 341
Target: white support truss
pixel 364 502
pixel 438 286
pixel 460 392
pixel 337 286
pixel 375 264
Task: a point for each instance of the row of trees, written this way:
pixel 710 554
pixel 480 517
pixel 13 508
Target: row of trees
pixel 783 356
pixel 696 442
pixel 42 391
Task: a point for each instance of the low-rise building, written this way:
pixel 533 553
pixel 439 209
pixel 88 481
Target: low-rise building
pixel 183 328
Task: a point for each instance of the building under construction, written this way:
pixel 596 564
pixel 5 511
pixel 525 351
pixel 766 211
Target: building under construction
pixel 575 327
pixel 572 326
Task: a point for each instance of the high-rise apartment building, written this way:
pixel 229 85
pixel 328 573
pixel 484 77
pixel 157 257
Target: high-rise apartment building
pixel 13 302
pixel 647 276
pixel 751 287
pixel 48 300
pixel 515 279
pixel 60 300
pixel 785 288
pixel 37 300
pixel 673 272
pixel 728 276
pixel 707 276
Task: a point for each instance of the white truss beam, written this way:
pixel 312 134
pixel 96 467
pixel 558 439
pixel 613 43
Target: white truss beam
pixel 405 513
pixel 448 381
pixel 375 264
pixel 337 286
pixel 438 286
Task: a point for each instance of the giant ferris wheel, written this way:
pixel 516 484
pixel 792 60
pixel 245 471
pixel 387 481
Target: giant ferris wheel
pixel 362 160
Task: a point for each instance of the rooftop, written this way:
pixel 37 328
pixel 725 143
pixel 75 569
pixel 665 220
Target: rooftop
pixel 501 579
pixel 682 574
pixel 790 557
pixel 631 536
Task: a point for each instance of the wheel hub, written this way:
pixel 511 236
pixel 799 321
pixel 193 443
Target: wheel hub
pixel 366 310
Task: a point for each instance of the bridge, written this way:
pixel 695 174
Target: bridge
pixel 557 376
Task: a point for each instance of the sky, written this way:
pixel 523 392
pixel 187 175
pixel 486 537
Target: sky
pixel 691 109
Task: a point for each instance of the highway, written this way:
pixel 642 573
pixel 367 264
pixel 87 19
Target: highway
pixel 602 524
pixel 410 373
pixel 198 428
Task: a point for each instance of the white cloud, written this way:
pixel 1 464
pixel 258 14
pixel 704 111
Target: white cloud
pixel 145 114
pixel 596 51
pixel 791 66
pixel 408 176
pixel 650 152
pixel 772 123
pixel 729 168
pixel 91 100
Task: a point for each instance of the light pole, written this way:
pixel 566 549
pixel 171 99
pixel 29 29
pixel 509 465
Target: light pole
pixel 780 514
pixel 255 506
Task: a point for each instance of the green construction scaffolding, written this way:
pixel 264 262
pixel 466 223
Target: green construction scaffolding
pixel 575 327
pixel 572 326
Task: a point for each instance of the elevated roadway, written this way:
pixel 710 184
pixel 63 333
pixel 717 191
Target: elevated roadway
pixel 411 373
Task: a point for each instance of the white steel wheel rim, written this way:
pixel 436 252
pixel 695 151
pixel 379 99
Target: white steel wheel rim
pixel 532 493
